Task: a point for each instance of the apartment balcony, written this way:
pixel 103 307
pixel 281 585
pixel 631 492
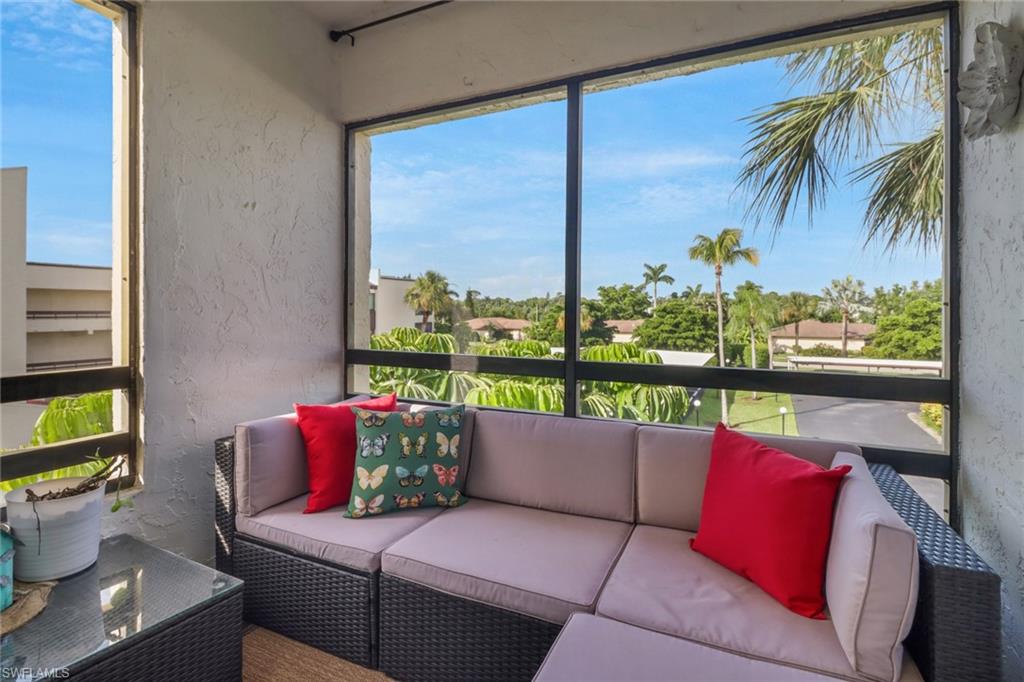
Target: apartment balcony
pixel 434 341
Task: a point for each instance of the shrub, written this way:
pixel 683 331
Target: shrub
pixel 931 414
pixel 823 350
pixel 762 356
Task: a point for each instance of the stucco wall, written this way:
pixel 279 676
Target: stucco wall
pixel 474 48
pixel 992 391
pixel 242 242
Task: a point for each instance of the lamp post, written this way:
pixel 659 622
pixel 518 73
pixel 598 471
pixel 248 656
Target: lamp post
pixel 696 404
pixel 782 418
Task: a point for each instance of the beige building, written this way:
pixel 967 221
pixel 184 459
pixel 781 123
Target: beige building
pixel 487 326
pixel 623 331
pixel 388 308
pixel 814 333
pixel 54 316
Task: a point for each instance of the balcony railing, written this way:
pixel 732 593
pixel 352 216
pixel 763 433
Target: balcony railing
pixel 67 314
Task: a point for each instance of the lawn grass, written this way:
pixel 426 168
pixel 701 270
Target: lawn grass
pixel 746 413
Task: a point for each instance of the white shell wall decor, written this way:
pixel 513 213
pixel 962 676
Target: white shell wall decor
pixel 990 87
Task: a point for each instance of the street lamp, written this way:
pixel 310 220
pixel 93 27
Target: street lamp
pixel 782 418
pixel 696 404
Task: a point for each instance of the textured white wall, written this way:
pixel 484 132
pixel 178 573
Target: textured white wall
pixel 474 48
pixel 242 243
pixel 992 365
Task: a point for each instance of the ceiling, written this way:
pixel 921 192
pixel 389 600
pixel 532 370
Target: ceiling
pixel 348 13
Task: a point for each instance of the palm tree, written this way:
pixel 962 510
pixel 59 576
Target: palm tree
pixel 470 301
pixel 796 307
pixel 797 145
pixel 693 291
pixel 430 295
pixel 751 316
pixel 655 274
pixel 717 252
pixel 845 295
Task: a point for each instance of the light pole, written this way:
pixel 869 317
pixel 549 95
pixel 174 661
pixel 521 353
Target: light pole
pixel 782 418
pixel 696 404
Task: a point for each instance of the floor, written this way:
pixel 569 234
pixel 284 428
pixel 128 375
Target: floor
pixel 270 657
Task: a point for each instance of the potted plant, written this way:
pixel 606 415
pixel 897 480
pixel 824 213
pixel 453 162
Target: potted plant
pixel 58 523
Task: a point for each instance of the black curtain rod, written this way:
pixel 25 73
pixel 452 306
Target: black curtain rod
pixel 350 32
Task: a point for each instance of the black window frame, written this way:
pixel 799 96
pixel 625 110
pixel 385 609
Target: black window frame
pixel 943 390
pixel 126 378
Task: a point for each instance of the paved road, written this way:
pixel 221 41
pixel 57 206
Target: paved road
pixel 861 421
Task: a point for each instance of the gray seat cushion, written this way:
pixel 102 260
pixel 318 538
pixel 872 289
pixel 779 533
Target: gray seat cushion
pixel 535 562
pixel 575 466
pixel 328 535
pixel 594 648
pixel 662 585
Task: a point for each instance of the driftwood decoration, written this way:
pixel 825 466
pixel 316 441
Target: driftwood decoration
pixel 990 87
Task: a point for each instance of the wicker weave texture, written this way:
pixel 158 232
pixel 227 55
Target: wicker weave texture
pixel 427 635
pixel 324 606
pixel 204 646
pixel 224 501
pixel 957 633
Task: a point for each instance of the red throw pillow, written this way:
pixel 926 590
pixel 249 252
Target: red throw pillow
pixel 330 435
pixel 767 515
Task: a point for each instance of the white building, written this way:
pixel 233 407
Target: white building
pixel 55 316
pixel 388 308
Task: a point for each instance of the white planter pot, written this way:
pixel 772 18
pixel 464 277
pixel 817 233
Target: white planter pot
pixel 61 536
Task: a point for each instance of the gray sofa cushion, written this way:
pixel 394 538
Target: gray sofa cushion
pixel 672 464
pixel 594 648
pixel 662 585
pixel 328 535
pixel 535 562
pixel 566 465
pixel 871 576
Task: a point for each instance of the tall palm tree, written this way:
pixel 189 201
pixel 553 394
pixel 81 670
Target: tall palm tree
pixel 847 296
pixel 655 274
pixel 797 145
pixel 470 301
pixel 796 307
pixel 717 252
pixel 751 316
pixel 430 295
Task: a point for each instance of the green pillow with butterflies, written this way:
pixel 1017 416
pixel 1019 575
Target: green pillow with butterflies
pixel 406 460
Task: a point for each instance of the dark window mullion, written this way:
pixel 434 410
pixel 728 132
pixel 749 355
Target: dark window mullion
pixel 38 460
pixel 22 387
pixel 573 200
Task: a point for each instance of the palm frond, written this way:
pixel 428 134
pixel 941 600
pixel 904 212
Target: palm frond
pixel 906 203
pixel 797 142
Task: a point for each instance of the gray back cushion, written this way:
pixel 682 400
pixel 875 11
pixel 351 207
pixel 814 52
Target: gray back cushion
pixel 577 466
pixel 672 464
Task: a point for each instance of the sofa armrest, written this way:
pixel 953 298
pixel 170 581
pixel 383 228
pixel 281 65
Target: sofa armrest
pixel 224 501
pixel 957 633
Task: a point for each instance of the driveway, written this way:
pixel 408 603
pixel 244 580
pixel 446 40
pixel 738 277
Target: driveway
pixel 861 421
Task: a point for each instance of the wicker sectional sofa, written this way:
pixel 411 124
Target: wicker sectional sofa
pixel 587 522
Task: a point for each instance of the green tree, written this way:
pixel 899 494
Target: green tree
pixel 797 145
pixel 717 252
pixel 913 334
pixel 847 297
pixel 654 275
pixel 624 302
pixel 886 302
pixel 678 324
pixel 430 295
pixel 751 316
pixel 796 307
pixel 469 301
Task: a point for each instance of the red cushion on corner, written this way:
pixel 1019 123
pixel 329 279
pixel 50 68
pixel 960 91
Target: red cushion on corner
pixel 767 515
pixel 330 435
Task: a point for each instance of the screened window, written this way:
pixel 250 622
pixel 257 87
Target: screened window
pixel 657 243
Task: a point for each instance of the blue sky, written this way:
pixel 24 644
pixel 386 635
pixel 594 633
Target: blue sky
pixel 482 199
pixel 55 118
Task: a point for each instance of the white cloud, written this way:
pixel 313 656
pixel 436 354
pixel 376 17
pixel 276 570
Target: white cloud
pixel 62 33
pixel 604 163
